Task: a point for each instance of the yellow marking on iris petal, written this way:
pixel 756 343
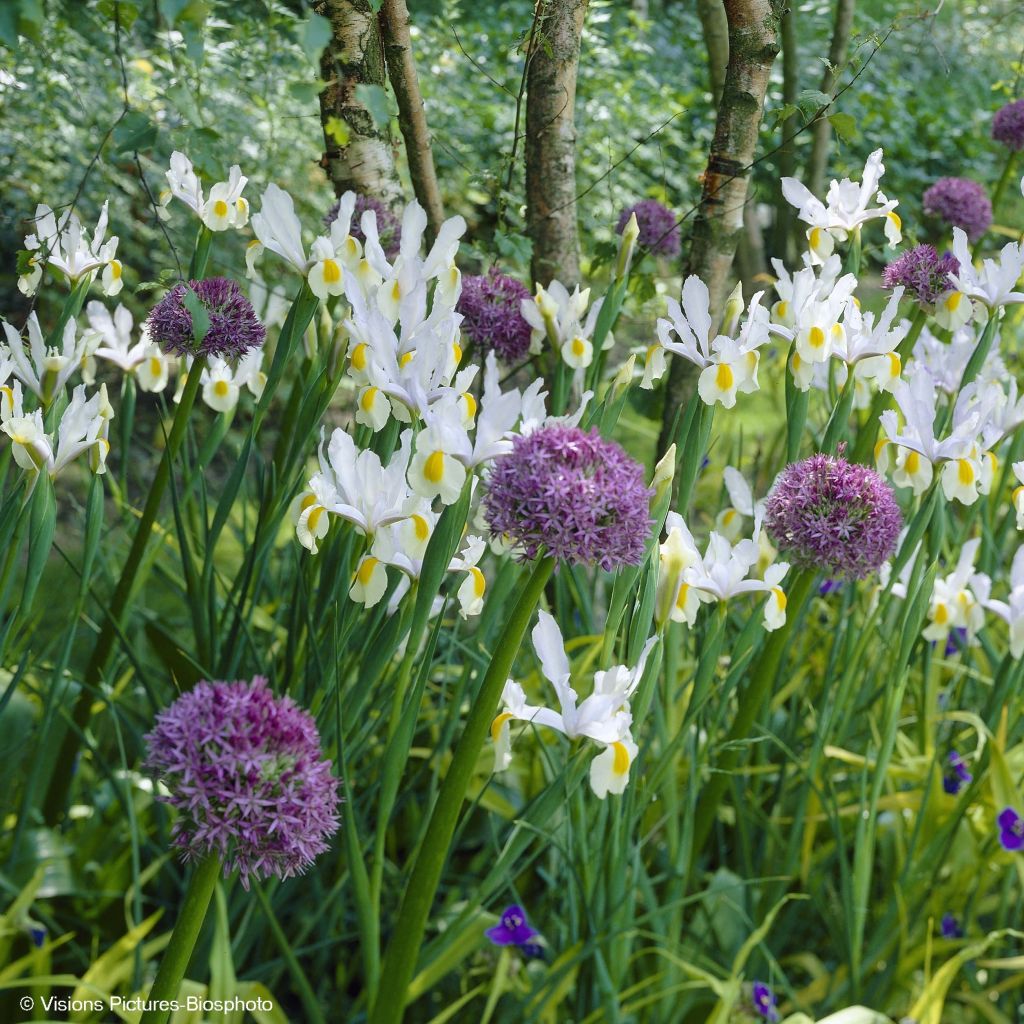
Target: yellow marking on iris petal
pixel 895 364
pixel 314 518
pixel 578 347
pixel 684 590
pixel 103 443
pixel 728 516
pixel 115 269
pixel 396 291
pixel 155 366
pixel 479 583
pixel 781 309
pixel 420 526
pixel 992 460
pixel 332 272
pixel 458 352
pixel 952 302
pixel 649 355
pixel 1017 492
pixel 365 570
pixel 497 724
pixel 470 405
pixel 780 598
pixel 220 208
pixel 815 237
pixel 895 218
pixel 879 447
pixel 255 241
pixel 359 356
pixel 816 337
pixel 309 499
pixel 433 468
pixel 241 205
pixel 965 472
pixel 941 614
pixel 7 393
pixel 620 759
pixel 724 377
pixel 405 358
pixel 366 401
pixel 837 331
pixel 221 388
pixel 912 463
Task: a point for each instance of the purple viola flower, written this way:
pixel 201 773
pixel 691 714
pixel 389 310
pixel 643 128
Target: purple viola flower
pixel 833 515
pixel 513 930
pixel 961 203
pixel 765 1001
pixel 956 776
pixel 1008 125
pixel 659 232
pixel 233 329
pixel 923 273
pixel 490 307
pixel 245 773
pixel 1011 829
pixel 389 227
pixel 950 928
pixel 571 494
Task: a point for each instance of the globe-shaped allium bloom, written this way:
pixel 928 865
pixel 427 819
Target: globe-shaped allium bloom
pixel 829 514
pixel 245 773
pixel 961 203
pixel 923 273
pixel 490 306
pixel 659 232
pixel 576 496
pixel 1008 125
pixel 234 328
pixel 389 227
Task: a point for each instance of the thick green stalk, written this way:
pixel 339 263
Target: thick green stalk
pixel 183 940
pixel 61 779
pixel 403 950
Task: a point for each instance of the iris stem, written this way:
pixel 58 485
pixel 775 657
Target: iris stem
pixel 403 950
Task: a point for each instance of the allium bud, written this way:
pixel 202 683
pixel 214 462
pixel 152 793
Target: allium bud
pixel 1008 125
pixel 490 306
pixel 961 203
pixel 246 775
pixel 830 514
pixel 572 495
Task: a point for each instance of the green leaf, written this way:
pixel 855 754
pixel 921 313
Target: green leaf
pixel 172 9
pixel 337 129
pixel 200 318
pixel 516 248
pixel 314 35
pixel 844 125
pixel 306 92
pixel 375 99
pixel 24 261
pixel 135 132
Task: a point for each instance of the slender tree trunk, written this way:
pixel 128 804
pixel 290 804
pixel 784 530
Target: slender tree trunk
pixel 551 141
pixel 817 166
pixel 354 57
pixel 715 26
pixel 412 119
pixel 785 219
pixel 753 47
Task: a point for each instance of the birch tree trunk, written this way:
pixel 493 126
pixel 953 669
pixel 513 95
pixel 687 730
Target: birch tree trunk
pixel 821 130
pixel 753 47
pixel 715 26
pixel 551 141
pixel 354 57
pixel 412 119
pixel 785 218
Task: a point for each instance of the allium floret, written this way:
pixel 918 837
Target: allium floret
pixel 961 203
pixel 659 232
pixel 245 773
pixel 490 307
pixel 572 495
pixel 234 328
pixel 923 273
pixel 830 514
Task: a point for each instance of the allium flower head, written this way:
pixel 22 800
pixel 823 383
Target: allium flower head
pixel 389 227
pixel 490 307
pixel 833 515
pixel 659 233
pixel 961 203
pixel 246 776
pixel 923 273
pixel 575 495
pixel 234 327
pixel 1008 125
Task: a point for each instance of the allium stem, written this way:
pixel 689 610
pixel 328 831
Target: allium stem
pixel 762 675
pixel 61 778
pixel 997 194
pixel 403 950
pixel 183 939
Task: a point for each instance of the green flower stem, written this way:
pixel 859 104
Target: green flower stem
pixel 183 939
pixel 61 779
pixel 840 417
pixel 403 950
pixel 200 254
pixel 762 676
pixel 997 195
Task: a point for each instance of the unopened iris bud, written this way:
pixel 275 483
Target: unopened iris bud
pixel 664 475
pixel 630 233
pixel 622 379
pixel 733 310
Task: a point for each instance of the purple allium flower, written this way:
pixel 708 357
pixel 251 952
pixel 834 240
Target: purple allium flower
pixel 834 515
pixel 659 232
pixel 577 496
pixel 950 928
pixel 961 203
pixel 514 931
pixel 765 1001
pixel 490 306
pixel 957 776
pixel 246 776
pixel 1011 829
pixel 389 227
pixel 234 327
pixel 923 272
pixel 1008 125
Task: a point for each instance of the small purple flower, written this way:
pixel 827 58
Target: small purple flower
pixel 830 587
pixel 957 776
pixel 659 232
pixel 576 496
pixel 961 203
pixel 234 327
pixel 956 640
pixel 830 514
pixel 1011 829
pixel 389 227
pixel 765 1001
pixel 490 307
pixel 950 928
pixel 247 778
pixel 1008 125
pixel 923 273
pixel 514 931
